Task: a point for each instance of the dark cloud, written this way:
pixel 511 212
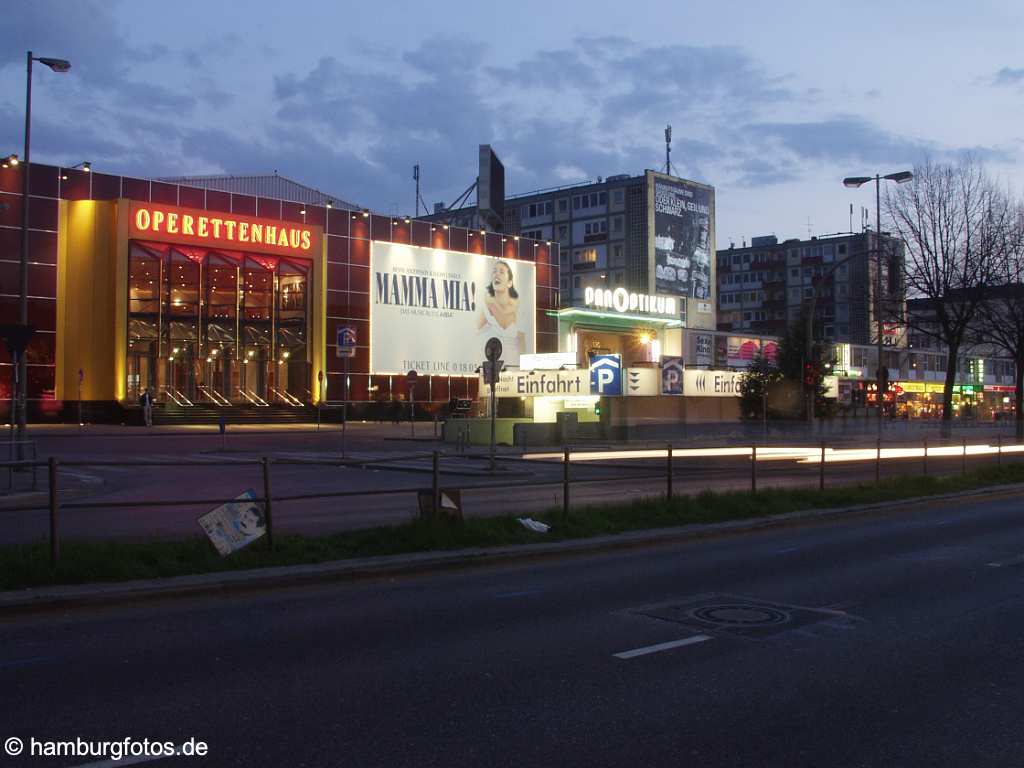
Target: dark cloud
pixel 354 125
pixel 851 139
pixel 1008 76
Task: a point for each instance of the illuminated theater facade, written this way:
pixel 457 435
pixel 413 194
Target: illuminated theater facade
pixel 219 299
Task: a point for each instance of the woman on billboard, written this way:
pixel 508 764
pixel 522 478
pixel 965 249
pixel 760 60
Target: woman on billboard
pixel 499 314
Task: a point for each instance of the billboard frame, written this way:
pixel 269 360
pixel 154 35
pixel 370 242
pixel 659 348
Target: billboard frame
pixel 705 321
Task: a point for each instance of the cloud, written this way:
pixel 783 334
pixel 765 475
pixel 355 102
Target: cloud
pixel 354 123
pixel 1008 76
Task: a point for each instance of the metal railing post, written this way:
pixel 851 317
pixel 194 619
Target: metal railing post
pixel 753 469
pixel 565 483
pixel 878 460
pixel 436 485
pixel 999 452
pixel 668 472
pixel 963 458
pixel 54 537
pixel 268 513
pixel 821 469
pixel 925 457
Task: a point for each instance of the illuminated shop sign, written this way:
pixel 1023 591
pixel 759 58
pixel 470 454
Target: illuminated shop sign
pixel 210 228
pixel 623 301
pixel 537 383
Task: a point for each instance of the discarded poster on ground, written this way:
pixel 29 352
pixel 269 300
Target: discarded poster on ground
pixel 534 525
pixel 451 504
pixel 236 524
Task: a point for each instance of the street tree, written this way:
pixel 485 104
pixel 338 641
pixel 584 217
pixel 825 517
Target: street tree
pixel 755 387
pixel 951 218
pixel 1000 321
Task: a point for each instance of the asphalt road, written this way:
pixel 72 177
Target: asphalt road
pixel 194 468
pixel 897 641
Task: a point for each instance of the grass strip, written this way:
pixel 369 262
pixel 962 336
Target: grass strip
pixel 27 565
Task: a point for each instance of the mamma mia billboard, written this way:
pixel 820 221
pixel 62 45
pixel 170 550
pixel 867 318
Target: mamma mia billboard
pixel 432 311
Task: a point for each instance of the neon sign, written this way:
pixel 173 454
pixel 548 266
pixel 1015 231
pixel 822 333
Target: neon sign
pixel 187 225
pixel 623 301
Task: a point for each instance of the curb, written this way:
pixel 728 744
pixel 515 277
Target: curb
pixel 43 598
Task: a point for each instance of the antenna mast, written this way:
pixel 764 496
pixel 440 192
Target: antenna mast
pixel 416 178
pixel 668 149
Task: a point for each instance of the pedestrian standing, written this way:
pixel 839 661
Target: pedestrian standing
pixel 146 401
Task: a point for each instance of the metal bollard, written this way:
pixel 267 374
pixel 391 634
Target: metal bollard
pixel 268 515
pixel 668 472
pixel 54 539
pixel 565 484
pixel 753 469
pixel 999 452
pixel 963 459
pixel 436 486
pixel 878 461
pixel 926 457
pixel 821 469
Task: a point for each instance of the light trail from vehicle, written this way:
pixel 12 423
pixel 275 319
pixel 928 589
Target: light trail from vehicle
pixel 799 454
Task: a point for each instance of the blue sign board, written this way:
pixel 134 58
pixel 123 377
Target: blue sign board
pixel 606 375
pixel 346 341
pixel 671 375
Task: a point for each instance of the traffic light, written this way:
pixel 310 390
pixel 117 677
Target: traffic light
pixel 810 374
pixel 597 407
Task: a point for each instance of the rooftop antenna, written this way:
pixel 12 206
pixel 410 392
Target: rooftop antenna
pixel 808 227
pixel 851 218
pixel 416 178
pixel 668 149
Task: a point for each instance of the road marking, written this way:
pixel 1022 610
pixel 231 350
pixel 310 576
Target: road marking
pixel 25 662
pixel 517 594
pixel 1019 560
pixel 661 647
pixel 787 550
pixel 125 761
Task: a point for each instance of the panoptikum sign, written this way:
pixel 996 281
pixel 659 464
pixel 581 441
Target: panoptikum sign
pixel 623 301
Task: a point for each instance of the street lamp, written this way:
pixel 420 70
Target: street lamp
pixel 59 66
pixel 853 182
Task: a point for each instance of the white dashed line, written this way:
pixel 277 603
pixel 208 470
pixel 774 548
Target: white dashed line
pixel 1019 560
pixel 661 647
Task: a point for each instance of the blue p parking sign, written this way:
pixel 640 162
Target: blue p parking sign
pixel 606 375
pixel 671 375
pixel 346 341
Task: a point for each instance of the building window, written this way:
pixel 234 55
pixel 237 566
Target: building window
pixel 584 257
pixel 618 197
pixel 616 224
pixel 576 281
pixel 563 205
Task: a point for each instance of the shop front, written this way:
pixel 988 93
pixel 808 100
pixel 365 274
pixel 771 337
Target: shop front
pixel 196 308
pixel 212 299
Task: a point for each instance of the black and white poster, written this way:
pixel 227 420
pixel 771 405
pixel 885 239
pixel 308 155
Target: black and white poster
pixel 682 239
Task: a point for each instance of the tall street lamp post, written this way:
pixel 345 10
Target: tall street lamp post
pixel 60 66
pixel 882 374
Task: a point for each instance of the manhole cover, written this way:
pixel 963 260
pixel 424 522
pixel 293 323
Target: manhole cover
pixel 740 615
pixel 735 615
